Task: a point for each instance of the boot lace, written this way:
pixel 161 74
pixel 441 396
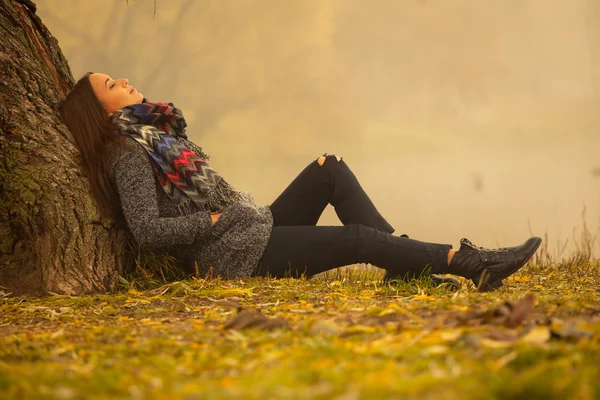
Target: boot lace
pixel 479 248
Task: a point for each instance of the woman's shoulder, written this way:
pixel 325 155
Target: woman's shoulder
pixel 123 148
pixel 126 153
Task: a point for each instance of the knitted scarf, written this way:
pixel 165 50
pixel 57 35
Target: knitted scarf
pixel 184 175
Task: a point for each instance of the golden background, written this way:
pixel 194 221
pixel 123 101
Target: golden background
pixel 459 117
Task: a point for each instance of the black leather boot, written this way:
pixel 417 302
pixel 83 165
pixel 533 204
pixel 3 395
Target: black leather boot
pixel 488 267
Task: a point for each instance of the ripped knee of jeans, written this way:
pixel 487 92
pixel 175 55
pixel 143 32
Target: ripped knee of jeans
pixel 321 160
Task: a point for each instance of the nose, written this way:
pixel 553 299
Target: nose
pixel 125 82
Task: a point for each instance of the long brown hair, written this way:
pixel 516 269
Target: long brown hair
pixel 94 133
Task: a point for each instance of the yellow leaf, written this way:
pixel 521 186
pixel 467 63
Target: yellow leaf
pixel 385 312
pixel 405 312
pixel 504 360
pixel 495 344
pixel 538 335
pixel 436 350
pixel 361 329
pixel 450 336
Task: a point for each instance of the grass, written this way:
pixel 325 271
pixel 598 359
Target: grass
pixel 343 335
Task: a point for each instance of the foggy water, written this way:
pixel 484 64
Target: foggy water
pixel 460 118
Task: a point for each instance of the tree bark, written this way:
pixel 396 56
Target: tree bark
pixel 51 236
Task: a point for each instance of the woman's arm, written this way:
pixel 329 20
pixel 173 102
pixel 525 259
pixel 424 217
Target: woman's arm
pixel 136 185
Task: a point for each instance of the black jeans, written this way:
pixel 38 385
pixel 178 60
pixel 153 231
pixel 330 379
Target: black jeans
pixel 298 247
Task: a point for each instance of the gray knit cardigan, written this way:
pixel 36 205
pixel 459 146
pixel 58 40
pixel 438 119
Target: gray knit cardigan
pixel 232 247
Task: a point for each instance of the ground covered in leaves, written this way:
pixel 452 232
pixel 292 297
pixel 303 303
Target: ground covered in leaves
pixel 341 336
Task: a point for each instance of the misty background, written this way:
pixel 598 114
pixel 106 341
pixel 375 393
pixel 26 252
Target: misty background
pixel 459 117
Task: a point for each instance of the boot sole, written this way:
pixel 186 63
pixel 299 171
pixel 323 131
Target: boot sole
pixel 488 287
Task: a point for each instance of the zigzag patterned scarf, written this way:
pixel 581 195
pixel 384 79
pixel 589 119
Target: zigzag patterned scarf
pixel 183 174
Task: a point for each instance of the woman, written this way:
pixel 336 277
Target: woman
pixel 142 167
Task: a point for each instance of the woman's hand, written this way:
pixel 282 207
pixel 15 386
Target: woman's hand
pixel 215 217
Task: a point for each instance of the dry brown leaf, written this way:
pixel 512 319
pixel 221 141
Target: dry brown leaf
pixel 275 323
pixel 571 333
pixel 502 335
pixel 520 312
pixel 254 319
pixel 507 314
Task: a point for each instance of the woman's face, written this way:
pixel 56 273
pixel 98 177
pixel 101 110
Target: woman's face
pixel 114 93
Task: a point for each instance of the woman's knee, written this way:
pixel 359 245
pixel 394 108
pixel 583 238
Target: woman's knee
pixel 328 158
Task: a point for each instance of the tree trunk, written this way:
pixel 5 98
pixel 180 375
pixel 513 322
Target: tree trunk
pixel 51 236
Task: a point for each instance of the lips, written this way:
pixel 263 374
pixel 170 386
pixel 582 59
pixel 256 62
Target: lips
pixel 131 91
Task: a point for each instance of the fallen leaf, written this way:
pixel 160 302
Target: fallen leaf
pixel 405 312
pixel 502 335
pixel 326 327
pixel 450 336
pixel 494 344
pixel 538 335
pixel 36 308
pixel 520 312
pixel 357 329
pixel 254 319
pixel 435 350
pixel 571 333
pixel 57 333
pixel 276 323
pixel 504 360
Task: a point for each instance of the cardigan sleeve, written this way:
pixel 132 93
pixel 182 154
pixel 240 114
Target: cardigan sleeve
pixel 136 184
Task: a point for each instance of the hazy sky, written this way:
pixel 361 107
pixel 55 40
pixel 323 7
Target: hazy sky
pixel 460 117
